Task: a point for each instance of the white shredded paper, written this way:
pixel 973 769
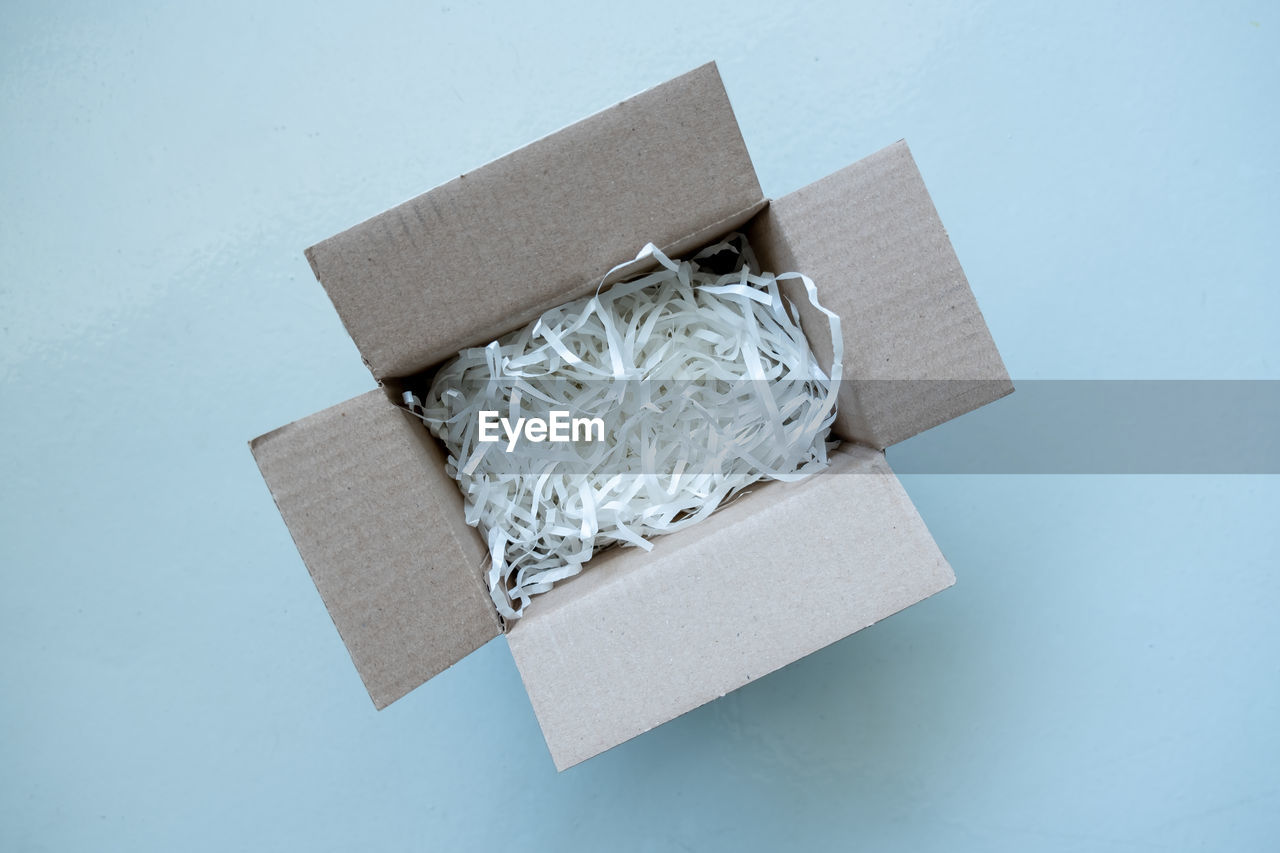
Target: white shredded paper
pixel 705 384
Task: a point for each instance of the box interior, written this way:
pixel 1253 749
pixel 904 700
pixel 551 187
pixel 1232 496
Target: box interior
pixel 418 382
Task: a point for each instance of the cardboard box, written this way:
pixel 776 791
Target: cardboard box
pixel 638 638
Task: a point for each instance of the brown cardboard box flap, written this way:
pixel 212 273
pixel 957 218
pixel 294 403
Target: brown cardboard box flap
pixel 917 349
pixel 380 525
pixel 490 251
pixel 783 571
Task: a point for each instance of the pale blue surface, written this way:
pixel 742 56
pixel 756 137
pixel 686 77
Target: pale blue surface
pixel 1104 676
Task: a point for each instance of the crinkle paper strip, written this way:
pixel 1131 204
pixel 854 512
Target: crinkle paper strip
pixel 705 384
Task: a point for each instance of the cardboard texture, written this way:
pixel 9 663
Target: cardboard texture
pixel 380 526
pixel 638 638
pixel 783 571
pixel 490 251
pixel 917 350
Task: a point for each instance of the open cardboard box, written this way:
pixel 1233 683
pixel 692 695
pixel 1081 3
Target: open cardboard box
pixel 638 638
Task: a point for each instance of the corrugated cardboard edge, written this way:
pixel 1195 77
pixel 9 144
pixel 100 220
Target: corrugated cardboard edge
pixel 380 527
pixel 491 250
pixel 675 249
pixel 785 570
pixel 917 348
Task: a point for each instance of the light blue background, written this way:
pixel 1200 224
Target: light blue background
pixel 1104 676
